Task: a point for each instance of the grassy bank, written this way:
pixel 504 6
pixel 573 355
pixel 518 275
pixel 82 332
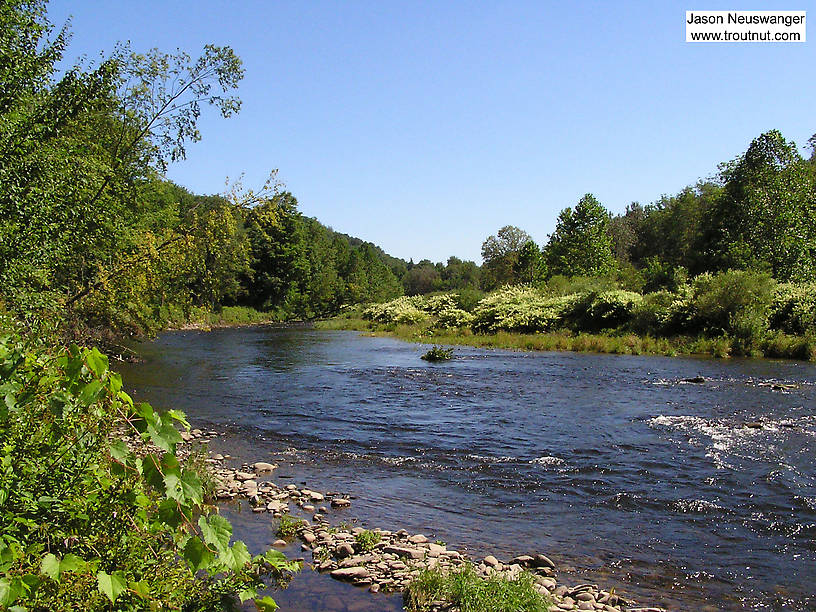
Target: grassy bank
pixel 228 316
pixel 777 346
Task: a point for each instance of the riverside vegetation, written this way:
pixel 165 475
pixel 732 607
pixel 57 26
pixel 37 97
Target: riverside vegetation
pixel 729 313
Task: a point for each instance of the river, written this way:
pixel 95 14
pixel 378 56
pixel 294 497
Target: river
pixel 680 494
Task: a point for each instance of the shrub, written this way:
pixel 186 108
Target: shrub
pixel 366 540
pixel 404 309
pixel 87 522
pixel 793 308
pixel 466 591
pixel 519 308
pixel 603 310
pixel 437 353
pixel 652 313
pixel 734 302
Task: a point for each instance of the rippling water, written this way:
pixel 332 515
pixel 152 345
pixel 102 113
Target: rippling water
pixel 681 494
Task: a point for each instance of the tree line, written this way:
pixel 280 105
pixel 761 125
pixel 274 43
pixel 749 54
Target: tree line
pixel 757 214
pixel 93 237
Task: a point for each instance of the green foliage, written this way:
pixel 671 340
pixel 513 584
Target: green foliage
pixel 401 310
pixel 764 219
pixel 77 150
pixel 366 540
pixel 466 591
pixel 520 308
pixel 595 311
pixel 288 526
pixel 581 244
pixel 501 255
pixel 732 302
pixel 793 308
pixel 437 353
pixel 88 521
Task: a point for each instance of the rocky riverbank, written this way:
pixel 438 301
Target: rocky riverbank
pixel 379 560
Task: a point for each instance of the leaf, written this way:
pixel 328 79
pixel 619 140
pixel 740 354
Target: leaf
pixel 90 392
pixel 267 604
pixel 179 416
pixel 72 563
pixel 10 591
pixel 164 435
pixel 172 514
pixel 235 558
pixel 150 467
pixel 279 562
pixel 140 588
pixel 6 555
pixel 120 452
pixel 115 382
pixel 97 362
pixel 51 567
pixel 172 486
pixel 191 487
pixel 111 585
pixel 216 531
pixel 197 555
pixel 247 593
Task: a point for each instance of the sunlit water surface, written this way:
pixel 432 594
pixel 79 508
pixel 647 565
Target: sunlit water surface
pixel 690 496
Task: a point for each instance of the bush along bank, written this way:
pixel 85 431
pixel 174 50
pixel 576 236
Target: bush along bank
pixel 87 522
pixel 724 314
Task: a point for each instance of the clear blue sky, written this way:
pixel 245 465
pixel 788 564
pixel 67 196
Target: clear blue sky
pixel 426 126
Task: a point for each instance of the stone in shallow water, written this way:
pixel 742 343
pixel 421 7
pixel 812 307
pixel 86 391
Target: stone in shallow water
pixel 340 502
pixel 262 466
pixel 350 573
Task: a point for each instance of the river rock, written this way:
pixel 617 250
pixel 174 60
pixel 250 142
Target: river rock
pixel 340 502
pixel 262 466
pixel 542 561
pixel 350 573
pixel 280 543
pixel 404 551
pixel 418 539
pixel 491 561
pixel 239 475
pixel 344 550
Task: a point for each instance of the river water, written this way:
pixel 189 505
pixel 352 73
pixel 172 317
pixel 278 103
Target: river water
pixel 685 495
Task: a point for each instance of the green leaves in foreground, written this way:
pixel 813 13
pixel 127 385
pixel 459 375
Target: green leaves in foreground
pixel 115 526
pixel 111 585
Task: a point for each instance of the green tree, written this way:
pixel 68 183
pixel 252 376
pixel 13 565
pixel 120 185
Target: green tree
pixel 765 218
pixel 529 266
pixel 581 244
pixel 500 254
pixel 77 147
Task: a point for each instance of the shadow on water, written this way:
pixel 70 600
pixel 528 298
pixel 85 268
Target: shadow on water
pixel 676 493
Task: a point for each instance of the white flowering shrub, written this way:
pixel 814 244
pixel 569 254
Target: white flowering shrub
pixel 404 310
pixel 793 308
pixel 519 308
pixel 439 303
pixel 604 309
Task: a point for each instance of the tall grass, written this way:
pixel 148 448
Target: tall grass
pixel 469 592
